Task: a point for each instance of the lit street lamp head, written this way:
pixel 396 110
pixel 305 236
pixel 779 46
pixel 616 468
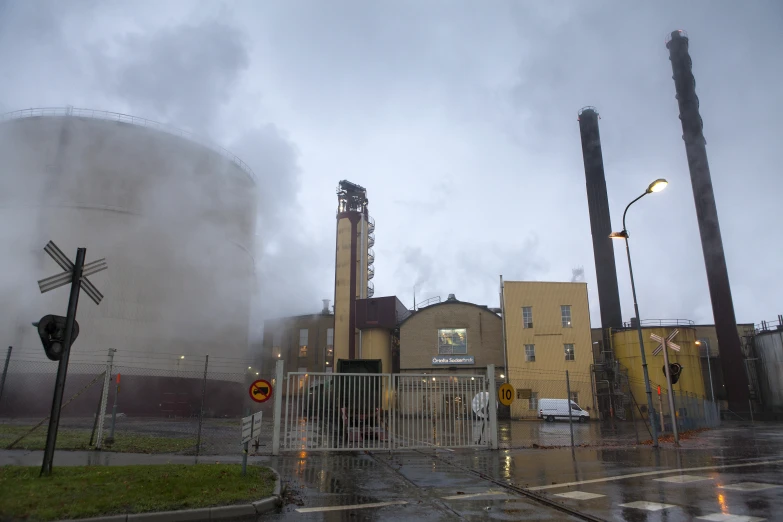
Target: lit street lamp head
pixel 657 185
pixel 619 235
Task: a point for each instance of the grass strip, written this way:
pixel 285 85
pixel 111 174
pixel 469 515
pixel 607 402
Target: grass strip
pixel 76 439
pixel 91 491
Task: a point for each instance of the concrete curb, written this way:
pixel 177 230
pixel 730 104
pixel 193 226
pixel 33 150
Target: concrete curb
pixel 258 507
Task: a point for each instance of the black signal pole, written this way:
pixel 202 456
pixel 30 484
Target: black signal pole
pixel 62 369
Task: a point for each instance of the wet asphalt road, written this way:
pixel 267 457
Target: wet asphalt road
pixel 735 470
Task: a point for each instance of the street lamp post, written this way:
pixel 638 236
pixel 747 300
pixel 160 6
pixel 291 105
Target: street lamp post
pixel 656 186
pixel 709 368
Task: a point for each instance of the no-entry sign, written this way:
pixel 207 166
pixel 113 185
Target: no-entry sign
pixel 261 390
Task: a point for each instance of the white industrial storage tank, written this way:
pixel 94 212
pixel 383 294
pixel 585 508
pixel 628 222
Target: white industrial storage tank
pixel 173 215
pixel 769 349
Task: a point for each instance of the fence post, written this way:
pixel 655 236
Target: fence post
pixel 570 416
pixel 5 370
pixel 493 408
pixel 201 410
pixel 278 407
pixel 104 398
pixel 110 438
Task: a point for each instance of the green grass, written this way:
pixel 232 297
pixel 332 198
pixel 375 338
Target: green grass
pixel 75 439
pixel 91 491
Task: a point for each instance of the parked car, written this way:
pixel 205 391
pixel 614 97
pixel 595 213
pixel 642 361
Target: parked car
pixel 553 409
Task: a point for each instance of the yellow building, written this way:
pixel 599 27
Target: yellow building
pixel 698 337
pixel 547 331
pixel 353 268
pixel 625 344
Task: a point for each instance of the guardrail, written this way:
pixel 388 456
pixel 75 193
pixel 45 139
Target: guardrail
pixel 766 326
pixel 127 118
pixel 661 322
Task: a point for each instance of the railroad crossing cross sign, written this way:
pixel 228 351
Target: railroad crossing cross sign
pixel 64 278
pixel 665 343
pixel 261 390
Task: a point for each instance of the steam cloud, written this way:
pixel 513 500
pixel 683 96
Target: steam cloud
pixel 183 76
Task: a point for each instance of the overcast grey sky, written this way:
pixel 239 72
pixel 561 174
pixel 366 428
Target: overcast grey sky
pixel 460 120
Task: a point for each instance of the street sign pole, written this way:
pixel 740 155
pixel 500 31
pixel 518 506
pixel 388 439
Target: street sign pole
pixel 62 369
pixel 665 342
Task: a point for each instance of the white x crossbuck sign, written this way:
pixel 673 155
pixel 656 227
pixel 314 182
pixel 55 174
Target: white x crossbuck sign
pixel 64 278
pixel 665 342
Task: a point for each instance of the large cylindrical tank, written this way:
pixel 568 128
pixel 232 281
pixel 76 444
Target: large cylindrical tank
pixel 626 348
pixel 173 216
pixel 769 349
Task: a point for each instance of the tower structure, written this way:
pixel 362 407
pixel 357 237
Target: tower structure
pixel 600 222
pixel 707 215
pixel 353 267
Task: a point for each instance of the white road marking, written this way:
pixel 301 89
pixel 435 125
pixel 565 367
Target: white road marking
pixel 355 506
pixel 651 473
pixel 579 495
pixel 682 479
pixel 749 486
pixel 648 506
pixel 727 517
pixel 474 495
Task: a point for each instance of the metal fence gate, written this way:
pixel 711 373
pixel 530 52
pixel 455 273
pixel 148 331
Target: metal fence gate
pixel 325 411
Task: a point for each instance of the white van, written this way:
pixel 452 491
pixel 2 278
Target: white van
pixel 552 409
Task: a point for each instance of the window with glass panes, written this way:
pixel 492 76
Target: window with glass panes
pixel 303 342
pixel 329 342
pixel 569 352
pixel 527 317
pixel 452 341
pixel 530 353
pixel 565 315
pixel 277 342
pixel 533 401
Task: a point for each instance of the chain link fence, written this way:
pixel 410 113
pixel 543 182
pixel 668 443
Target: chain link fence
pixel 154 403
pixel 556 409
pixel 539 415
pixel 692 412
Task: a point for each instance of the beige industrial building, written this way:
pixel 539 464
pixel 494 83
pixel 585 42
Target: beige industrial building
pixel 547 328
pixel 451 336
pixel 303 342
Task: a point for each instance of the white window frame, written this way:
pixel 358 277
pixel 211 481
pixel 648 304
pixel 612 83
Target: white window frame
pixel 565 311
pixel 530 357
pixel 533 401
pixel 573 352
pixel 525 323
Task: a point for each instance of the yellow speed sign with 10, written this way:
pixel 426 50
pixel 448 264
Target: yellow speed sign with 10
pixel 506 394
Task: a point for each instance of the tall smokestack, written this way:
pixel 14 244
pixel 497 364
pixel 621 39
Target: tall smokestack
pixel 600 223
pixel 707 216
